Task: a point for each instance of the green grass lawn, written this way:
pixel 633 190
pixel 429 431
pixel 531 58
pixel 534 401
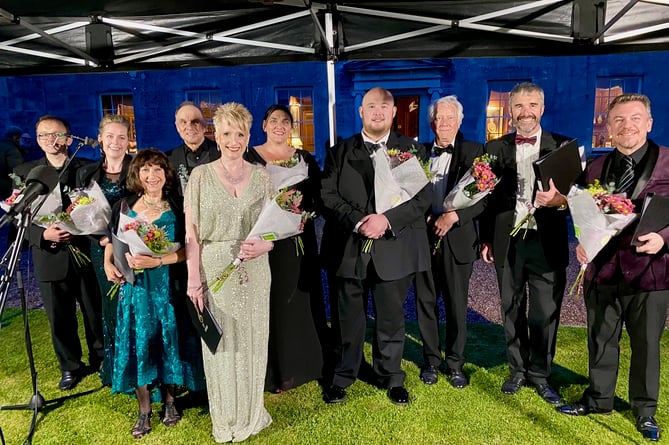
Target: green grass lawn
pixel 439 414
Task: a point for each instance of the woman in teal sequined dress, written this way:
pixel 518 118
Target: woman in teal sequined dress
pixel 152 351
pixel 110 173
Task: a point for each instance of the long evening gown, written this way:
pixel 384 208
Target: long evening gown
pixel 297 323
pixel 113 191
pixel 147 339
pixel 236 371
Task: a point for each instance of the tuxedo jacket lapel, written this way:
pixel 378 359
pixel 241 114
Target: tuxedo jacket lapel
pixel 651 161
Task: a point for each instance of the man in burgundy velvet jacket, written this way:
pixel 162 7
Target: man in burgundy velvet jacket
pixel 626 283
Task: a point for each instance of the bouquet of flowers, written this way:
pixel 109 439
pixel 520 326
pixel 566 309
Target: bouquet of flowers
pixel 398 177
pixel 88 214
pixel 287 172
pixel 18 184
pixel 598 215
pixel 474 185
pixel 281 217
pixel 145 238
pixel 142 238
pixel 52 202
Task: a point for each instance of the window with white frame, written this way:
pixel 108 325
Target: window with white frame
pixel 300 103
pixel 606 90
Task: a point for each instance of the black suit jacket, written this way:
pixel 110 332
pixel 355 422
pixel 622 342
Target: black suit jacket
pixel 177 156
pixel 497 220
pixel 52 260
pixel 462 239
pixel 348 196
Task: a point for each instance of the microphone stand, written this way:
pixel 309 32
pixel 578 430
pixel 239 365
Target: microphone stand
pixel 36 401
pixel 24 220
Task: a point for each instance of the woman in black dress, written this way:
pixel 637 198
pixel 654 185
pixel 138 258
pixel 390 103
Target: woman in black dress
pixel 298 330
pixel 110 174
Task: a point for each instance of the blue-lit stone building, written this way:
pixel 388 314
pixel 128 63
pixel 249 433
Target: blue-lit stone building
pixel 577 90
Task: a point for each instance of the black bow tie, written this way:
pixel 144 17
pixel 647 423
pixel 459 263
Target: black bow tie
pixel 372 147
pixel 439 150
pixel 523 140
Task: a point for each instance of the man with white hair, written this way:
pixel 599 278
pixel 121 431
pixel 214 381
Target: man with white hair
pixel 454 239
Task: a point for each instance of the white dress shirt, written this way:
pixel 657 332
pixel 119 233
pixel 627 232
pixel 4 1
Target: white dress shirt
pixel 439 166
pixel 526 154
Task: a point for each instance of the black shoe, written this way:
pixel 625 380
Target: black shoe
pixel 398 395
pixel 457 378
pixel 68 380
pixel 429 375
pixel 548 393
pixel 580 409
pixel 513 385
pixel 648 428
pixel 334 394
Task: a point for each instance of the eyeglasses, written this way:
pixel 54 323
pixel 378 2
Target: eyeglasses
pixel 46 136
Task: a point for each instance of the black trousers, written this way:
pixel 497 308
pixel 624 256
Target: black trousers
pixel 531 292
pixel 388 343
pixel 451 279
pixel 427 314
pixel 643 313
pixel 60 304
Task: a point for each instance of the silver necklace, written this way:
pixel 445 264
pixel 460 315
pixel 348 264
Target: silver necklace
pixel 160 205
pixel 234 180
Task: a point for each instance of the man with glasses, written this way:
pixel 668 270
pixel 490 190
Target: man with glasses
pixel 62 282
pixel 196 148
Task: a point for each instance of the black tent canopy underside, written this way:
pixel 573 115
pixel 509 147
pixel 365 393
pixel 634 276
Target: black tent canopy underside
pixel 104 35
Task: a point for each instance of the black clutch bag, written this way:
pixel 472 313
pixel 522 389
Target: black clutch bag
pixel 206 325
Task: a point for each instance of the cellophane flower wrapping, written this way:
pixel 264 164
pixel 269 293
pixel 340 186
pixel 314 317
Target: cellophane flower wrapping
pixel 597 216
pixel 286 173
pixel 398 177
pixel 144 238
pixel 88 213
pixel 52 203
pixel 281 217
pixel 474 185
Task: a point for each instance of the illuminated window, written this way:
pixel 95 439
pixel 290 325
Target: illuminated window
pixel 498 110
pixel 607 89
pixel 121 104
pixel 300 102
pixel 208 101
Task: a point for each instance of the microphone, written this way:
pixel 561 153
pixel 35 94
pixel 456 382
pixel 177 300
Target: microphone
pixel 85 140
pixel 40 181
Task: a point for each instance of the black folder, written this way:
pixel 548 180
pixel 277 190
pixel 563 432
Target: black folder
pixel 563 165
pixel 654 216
pixel 120 248
pixel 206 325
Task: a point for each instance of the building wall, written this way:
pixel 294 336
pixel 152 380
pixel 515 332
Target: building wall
pixel 569 84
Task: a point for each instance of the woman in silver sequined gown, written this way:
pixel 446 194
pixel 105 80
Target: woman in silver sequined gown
pixel 222 201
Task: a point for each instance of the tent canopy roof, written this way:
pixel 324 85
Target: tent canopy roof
pixel 103 35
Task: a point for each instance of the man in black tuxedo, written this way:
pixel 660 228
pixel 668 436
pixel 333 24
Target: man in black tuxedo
pixel 537 256
pixel 626 283
pixel 61 281
pixel 399 249
pixel 196 149
pixel 455 234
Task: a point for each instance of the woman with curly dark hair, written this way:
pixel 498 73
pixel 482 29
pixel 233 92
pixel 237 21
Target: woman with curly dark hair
pixel 154 348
